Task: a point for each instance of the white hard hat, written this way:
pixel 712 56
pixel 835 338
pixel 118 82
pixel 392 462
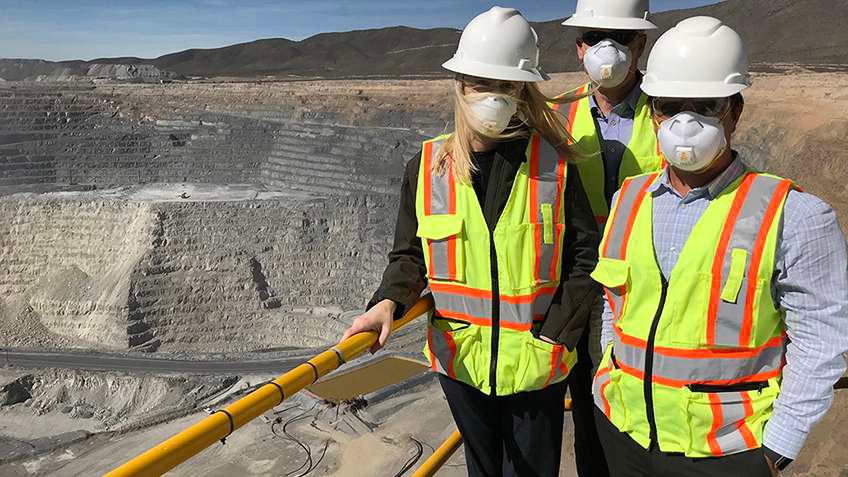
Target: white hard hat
pixel 611 15
pixel 701 57
pixel 498 44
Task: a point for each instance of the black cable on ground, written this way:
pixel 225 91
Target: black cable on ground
pixel 308 464
pixel 305 447
pixel 419 451
pixel 317 462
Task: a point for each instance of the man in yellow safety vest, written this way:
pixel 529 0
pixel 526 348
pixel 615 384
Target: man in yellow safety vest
pixel 612 127
pixel 727 289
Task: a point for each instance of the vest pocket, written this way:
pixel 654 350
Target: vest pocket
pixel 614 275
pixel 609 397
pixel 541 363
pixel 532 253
pixel 726 420
pixel 453 348
pixel 442 237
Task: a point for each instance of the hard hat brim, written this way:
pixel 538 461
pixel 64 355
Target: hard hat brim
pixel 691 89
pixel 609 23
pixel 495 72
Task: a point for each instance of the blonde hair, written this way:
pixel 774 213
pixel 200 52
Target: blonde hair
pixel 534 110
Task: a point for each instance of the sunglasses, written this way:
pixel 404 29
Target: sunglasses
pixel 593 37
pixel 668 107
pixel 489 85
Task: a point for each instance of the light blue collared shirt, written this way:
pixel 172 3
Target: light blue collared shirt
pixel 810 285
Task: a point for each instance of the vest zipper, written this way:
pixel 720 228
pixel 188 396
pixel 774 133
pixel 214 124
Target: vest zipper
pixel 649 365
pixel 496 174
pixel 496 315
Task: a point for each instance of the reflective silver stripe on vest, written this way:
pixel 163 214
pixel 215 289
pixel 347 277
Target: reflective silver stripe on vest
pixel 728 436
pixel 715 368
pixel 525 313
pixel 439 205
pixel 627 202
pixel 547 183
pixel 598 388
pixel 521 315
pixel 473 307
pixel 730 314
pixel 440 349
pixel 439 185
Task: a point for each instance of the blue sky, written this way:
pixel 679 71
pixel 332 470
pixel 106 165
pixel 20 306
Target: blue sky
pixel 86 29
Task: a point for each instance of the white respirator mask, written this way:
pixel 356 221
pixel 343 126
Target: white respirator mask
pixel 691 141
pixel 607 63
pixel 492 112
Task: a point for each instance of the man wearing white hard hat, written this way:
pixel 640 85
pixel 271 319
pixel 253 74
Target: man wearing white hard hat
pixel 727 289
pixel 494 220
pixel 612 126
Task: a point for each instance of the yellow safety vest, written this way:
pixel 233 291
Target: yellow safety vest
pixel 696 359
pixel 642 154
pixel 479 333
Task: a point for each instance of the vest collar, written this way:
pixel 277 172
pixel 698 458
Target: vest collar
pixel 710 191
pixel 626 108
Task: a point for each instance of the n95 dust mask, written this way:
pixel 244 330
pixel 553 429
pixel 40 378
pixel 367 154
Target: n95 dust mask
pixel 607 63
pixel 691 141
pixel 492 112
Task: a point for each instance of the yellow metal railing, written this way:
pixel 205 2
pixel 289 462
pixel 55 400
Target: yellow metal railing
pixel 440 456
pixel 220 424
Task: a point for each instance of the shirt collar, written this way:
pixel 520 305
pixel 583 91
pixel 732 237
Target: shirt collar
pixel 727 177
pixel 626 108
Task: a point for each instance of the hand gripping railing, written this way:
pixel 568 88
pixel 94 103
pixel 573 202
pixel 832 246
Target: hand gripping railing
pixel 220 424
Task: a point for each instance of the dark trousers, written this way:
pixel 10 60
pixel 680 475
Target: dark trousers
pixel 518 435
pixel 626 458
pixel 588 452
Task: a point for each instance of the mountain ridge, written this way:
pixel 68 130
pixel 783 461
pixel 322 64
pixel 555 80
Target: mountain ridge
pixel 776 31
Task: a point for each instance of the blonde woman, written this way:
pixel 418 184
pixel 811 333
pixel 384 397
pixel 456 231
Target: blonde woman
pixel 496 223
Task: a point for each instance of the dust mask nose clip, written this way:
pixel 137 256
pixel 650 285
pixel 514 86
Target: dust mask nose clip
pixel 691 141
pixel 607 63
pixel 492 113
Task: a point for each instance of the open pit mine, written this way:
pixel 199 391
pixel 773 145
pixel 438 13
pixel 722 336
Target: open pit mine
pixel 167 248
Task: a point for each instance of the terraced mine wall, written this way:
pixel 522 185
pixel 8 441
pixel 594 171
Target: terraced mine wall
pixel 196 276
pixel 78 136
pixel 86 264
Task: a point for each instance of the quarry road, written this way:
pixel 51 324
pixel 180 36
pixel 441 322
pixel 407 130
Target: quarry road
pixel 122 362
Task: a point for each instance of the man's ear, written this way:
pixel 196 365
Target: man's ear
pixel 639 45
pixel 581 49
pixel 735 114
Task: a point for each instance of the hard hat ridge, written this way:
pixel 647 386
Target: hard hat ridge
pixel 700 57
pixel 498 44
pixel 611 15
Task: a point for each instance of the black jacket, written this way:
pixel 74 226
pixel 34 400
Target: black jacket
pixel 405 276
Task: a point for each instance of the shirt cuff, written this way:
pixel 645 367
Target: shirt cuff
pixel 783 438
pixel 779 461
